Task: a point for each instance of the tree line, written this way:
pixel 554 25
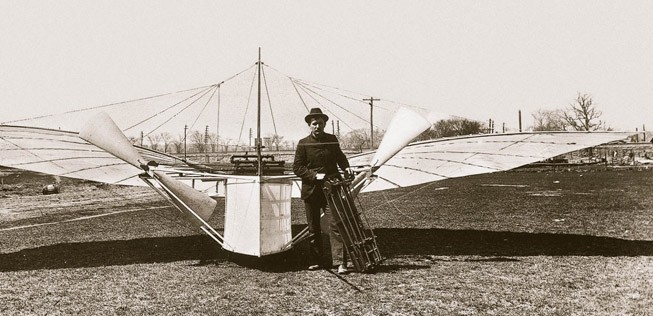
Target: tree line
pixel 580 115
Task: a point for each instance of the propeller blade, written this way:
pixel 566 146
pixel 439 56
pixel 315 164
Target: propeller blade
pixel 404 127
pixel 103 132
pixel 197 201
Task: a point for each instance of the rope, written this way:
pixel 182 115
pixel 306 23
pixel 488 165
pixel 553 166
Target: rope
pixel 332 102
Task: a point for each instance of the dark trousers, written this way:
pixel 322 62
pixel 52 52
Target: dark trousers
pixel 314 206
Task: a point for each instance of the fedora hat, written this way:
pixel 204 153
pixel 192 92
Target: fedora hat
pixel 315 113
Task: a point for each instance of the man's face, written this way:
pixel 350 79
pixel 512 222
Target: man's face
pixel 317 126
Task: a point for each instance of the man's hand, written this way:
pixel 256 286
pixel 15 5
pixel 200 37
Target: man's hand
pixel 349 174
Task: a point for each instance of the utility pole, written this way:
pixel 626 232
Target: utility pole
pixel 519 120
pixel 206 143
pixel 141 138
pixel 185 130
pixel 338 128
pixel 371 99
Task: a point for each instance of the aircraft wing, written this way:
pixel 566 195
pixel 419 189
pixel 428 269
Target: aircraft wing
pixel 440 159
pixel 63 153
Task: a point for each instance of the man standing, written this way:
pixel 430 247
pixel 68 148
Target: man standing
pixel 317 158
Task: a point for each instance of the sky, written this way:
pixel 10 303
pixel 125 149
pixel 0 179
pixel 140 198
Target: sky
pixel 477 59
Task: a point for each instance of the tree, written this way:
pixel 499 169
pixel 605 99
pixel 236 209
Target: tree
pixel 355 139
pixel 549 120
pixel 213 142
pixel 166 138
pixel 583 115
pixel 276 140
pixel 179 144
pixel 154 141
pixel 197 141
pixel 134 140
pixel 453 127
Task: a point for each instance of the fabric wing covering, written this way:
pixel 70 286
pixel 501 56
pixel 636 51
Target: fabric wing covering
pixel 445 158
pixel 63 153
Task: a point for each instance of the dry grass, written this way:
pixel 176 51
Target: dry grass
pixel 551 243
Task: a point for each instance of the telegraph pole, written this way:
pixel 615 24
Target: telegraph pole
pixel 371 99
pixel 185 129
pixel 519 114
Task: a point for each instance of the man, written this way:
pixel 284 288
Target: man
pixel 317 158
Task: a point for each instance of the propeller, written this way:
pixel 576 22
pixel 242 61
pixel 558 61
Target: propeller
pixel 403 128
pixel 103 132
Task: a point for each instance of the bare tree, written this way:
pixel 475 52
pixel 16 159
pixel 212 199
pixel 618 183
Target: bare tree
pixel 134 140
pixel 356 139
pixel 197 141
pixel 276 140
pixel 166 138
pixel 453 127
pixel 154 140
pixel 583 115
pixel 213 142
pixel 549 120
pixel 179 144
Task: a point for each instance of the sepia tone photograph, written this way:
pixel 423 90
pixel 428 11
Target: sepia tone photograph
pixel 326 158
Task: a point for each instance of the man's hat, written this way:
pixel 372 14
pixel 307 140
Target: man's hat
pixel 315 113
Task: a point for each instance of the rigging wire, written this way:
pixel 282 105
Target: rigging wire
pixel 204 108
pixel 298 94
pixel 267 92
pixel 334 103
pixel 342 95
pixel 183 109
pixel 318 102
pixel 203 92
pixel 361 94
pixel 249 97
pixel 104 105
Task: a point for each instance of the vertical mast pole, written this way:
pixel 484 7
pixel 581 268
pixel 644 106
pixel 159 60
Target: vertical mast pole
pixel 258 118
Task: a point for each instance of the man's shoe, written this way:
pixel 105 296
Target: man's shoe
pixel 342 269
pixel 314 267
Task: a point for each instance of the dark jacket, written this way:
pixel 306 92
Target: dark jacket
pixel 315 156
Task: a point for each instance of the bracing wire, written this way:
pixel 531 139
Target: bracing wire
pixel 332 102
pixel 317 86
pixel 104 105
pixel 249 97
pixel 170 107
pixel 306 83
pixel 298 94
pixel 183 109
pixel 267 92
pixel 204 108
pixel 318 102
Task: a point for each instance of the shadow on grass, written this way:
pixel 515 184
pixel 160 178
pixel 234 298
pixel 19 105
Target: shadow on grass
pixel 408 241
pixel 392 242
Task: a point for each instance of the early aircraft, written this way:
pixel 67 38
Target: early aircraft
pixel 258 202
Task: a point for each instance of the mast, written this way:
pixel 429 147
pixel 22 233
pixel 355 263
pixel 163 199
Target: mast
pixel 258 119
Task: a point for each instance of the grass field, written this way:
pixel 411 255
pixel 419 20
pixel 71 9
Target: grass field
pixel 541 242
